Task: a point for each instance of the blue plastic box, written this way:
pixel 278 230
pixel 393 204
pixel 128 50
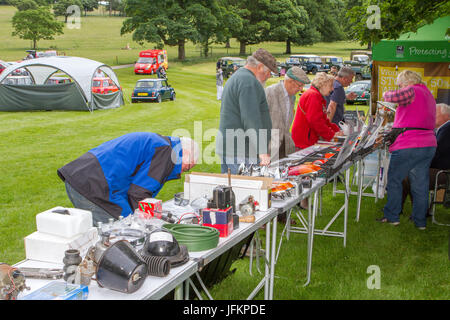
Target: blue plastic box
pixel 57 290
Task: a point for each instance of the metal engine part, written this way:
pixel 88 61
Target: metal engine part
pixel 247 206
pixel 12 282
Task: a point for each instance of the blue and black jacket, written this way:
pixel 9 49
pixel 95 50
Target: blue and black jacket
pixel 121 172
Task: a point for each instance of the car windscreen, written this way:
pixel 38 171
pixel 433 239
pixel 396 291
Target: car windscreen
pixel 358 87
pixel 146 60
pixel 145 84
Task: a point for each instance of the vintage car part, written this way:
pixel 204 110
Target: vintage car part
pixel 71 261
pixel 12 282
pixel 194 237
pixel 121 268
pixel 162 243
pixel 248 206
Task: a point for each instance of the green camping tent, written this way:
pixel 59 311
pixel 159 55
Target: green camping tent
pixel 426 51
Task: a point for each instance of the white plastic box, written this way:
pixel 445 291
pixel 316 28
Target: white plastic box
pixel 64 225
pixel 50 248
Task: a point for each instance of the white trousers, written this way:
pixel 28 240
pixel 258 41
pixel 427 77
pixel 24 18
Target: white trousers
pixel 219 92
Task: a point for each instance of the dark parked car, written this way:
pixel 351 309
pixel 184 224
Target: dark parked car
pixel 310 63
pixel 229 65
pixel 362 90
pixel 338 62
pixel 152 90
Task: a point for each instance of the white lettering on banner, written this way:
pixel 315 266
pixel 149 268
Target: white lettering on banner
pixel 414 51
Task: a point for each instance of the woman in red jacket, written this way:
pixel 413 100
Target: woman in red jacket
pixel 311 122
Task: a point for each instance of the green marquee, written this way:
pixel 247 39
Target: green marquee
pixel 429 44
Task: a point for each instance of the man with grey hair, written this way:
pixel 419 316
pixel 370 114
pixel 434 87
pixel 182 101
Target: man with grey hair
pixel 281 101
pixel 111 179
pixel 336 100
pixel 245 124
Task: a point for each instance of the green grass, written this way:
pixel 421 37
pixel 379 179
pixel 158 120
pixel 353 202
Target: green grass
pixel 33 145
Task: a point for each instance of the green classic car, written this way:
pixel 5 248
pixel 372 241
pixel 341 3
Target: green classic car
pixel 362 90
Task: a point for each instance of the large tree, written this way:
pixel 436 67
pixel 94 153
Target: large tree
pixel 212 22
pixel 289 23
pixel 394 16
pixel 166 22
pixel 89 5
pixel 323 19
pixel 255 21
pixel 36 24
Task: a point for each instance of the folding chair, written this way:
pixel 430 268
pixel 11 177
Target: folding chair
pixel 445 187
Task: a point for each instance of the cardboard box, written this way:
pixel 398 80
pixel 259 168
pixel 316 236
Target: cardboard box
pixel 150 207
pixel 199 184
pixel 220 219
pixel 50 248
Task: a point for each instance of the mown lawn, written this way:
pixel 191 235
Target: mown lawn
pixel 33 145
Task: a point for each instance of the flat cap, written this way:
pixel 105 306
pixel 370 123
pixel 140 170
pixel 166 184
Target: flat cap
pixel 298 74
pixel 266 58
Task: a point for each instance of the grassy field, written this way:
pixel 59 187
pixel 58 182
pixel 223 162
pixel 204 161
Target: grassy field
pixel 101 32
pixel 33 145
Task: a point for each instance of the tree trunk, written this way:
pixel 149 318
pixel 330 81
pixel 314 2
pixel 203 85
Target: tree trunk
pixel 65 19
pixel 369 45
pixel 227 44
pixel 181 51
pixel 34 44
pixel 288 46
pixel 205 50
pixel 242 48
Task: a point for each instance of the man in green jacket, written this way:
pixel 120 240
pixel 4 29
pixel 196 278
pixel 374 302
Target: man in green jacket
pixel 245 123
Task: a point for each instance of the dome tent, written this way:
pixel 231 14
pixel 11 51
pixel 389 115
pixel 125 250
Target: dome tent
pixel 77 95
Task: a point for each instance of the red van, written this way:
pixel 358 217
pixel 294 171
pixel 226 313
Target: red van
pixel 150 60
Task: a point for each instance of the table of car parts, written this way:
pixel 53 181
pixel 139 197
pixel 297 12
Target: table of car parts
pixel 178 279
pixel 153 288
pixel 309 226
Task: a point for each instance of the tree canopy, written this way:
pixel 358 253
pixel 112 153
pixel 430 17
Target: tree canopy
pixel 395 17
pixel 36 24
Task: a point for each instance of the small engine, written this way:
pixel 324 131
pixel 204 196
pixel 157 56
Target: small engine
pixel 12 281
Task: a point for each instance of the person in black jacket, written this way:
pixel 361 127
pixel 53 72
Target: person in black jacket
pixel 441 160
pixel 111 179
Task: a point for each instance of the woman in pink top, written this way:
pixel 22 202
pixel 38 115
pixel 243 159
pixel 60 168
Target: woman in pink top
pixel 413 150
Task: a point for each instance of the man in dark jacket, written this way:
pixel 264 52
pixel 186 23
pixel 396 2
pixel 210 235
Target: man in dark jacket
pixel 245 124
pixel 112 178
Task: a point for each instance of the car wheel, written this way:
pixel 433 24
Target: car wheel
pixel 314 71
pixel 159 99
pixel 173 96
pixel 133 101
pixel 358 77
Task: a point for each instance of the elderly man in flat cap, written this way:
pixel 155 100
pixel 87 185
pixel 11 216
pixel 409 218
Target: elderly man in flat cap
pixel 281 101
pixel 245 124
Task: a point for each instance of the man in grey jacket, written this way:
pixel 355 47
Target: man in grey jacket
pixel 281 101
